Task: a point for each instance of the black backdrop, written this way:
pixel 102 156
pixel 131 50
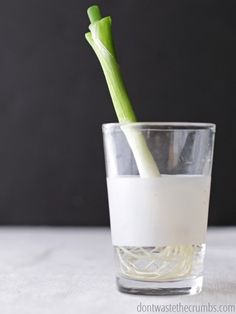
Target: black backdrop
pixel 178 59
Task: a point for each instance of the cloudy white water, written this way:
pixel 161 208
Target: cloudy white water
pixel 164 210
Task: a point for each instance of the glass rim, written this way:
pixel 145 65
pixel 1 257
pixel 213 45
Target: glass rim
pixel 166 126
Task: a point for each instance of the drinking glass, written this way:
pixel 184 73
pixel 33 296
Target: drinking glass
pixel 158 183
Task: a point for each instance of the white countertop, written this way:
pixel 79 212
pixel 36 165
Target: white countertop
pixel 71 271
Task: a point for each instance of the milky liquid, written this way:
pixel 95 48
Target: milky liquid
pixel 165 210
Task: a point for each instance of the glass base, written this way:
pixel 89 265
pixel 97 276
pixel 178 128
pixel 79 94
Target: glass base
pixel 161 288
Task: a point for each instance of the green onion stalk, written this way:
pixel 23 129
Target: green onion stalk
pixel 100 39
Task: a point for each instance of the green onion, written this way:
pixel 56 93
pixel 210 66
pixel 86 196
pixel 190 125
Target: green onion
pixel 100 39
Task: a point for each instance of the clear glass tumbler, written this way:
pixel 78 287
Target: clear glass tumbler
pixel 158 181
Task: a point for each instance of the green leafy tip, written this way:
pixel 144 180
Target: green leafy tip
pixel 100 39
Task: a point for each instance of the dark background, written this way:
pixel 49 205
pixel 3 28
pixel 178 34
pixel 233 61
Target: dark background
pixel 179 62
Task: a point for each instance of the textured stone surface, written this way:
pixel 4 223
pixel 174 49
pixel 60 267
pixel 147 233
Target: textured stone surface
pixel 70 270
